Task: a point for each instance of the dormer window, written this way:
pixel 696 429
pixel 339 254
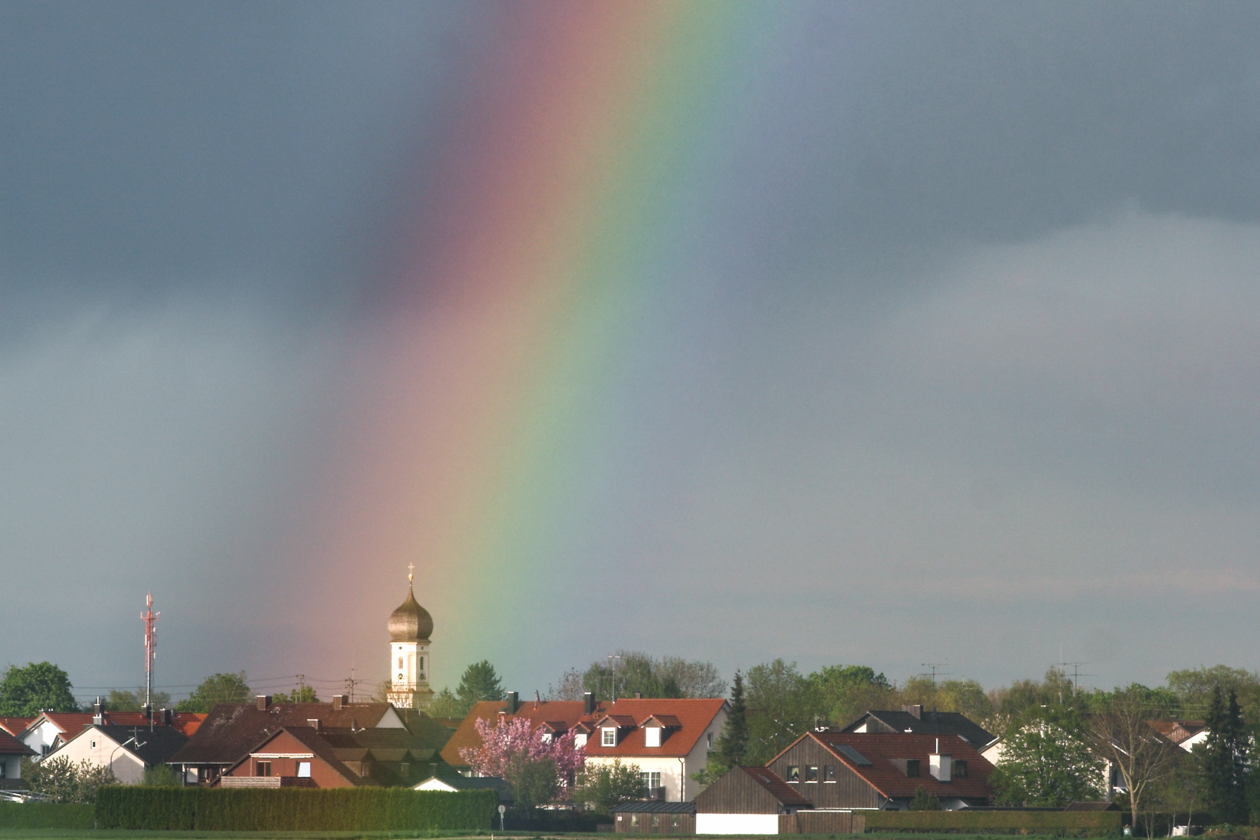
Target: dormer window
pixel 912 768
pixel 608 736
pixel 652 736
pixel 579 740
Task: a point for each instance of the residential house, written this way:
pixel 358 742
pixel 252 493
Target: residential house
pixel 1186 734
pixel 669 739
pixel 232 731
pixel 451 784
pixel 315 756
pixel 557 716
pixel 15 726
pixel 747 800
pixel 12 751
pixel 126 750
pixel 50 730
pixel 846 771
pixel 915 720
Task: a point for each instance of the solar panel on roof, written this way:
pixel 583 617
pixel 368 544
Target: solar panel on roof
pixel 854 756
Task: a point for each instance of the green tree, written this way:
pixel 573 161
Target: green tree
pixel 846 691
pixel 533 783
pixel 1122 736
pixel 61 781
pixel 1194 687
pixel 732 744
pixel 1223 759
pixel 161 775
pixel 782 706
pixel 133 701
pixel 1047 761
pixel 446 705
pixel 300 694
pixel 602 788
pixel 215 689
pixel 35 688
pixel 480 682
pixel 923 801
pixel 632 672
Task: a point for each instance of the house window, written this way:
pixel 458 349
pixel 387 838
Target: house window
pixel 811 773
pixel 405 769
pixel 652 736
pixel 829 772
pixel 794 773
pixel 579 740
pixel 656 821
pixel 912 768
pixel 608 737
pixel 3 765
pixel 400 663
pixel 364 769
pixel 709 736
pixel 652 780
pixel 93 745
pixel 304 769
pixel 960 770
pixel 634 820
pixel 262 768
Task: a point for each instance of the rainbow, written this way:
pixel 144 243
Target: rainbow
pixel 530 271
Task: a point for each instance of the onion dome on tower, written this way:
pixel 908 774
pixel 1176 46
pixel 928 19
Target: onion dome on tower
pixel 410 622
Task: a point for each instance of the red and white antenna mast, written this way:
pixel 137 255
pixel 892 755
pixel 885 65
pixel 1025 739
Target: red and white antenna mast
pixel 149 617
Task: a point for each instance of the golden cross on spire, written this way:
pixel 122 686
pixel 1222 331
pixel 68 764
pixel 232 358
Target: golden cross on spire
pixel 411 568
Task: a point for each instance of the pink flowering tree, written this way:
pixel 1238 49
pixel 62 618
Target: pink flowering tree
pixel 539 767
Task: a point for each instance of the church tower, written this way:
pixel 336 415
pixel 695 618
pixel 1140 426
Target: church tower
pixel 410 654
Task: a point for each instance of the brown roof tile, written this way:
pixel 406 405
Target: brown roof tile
pixel 881 749
pixel 778 788
pixel 570 712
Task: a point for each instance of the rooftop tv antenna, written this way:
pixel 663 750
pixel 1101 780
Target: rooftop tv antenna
pixel 149 617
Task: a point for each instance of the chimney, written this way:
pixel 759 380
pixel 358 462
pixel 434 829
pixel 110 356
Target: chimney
pixel 513 702
pixel 98 712
pixel 638 695
pixel 263 701
pixel 338 701
pixel 588 703
pixel 916 710
pixel 166 717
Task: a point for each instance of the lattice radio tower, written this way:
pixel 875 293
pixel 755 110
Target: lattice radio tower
pixel 149 617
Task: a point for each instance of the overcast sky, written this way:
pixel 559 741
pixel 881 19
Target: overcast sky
pixel 963 367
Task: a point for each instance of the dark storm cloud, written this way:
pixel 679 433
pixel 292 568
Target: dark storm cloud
pixel 228 149
pixel 880 129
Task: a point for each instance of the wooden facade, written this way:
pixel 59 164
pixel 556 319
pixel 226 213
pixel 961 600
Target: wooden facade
pixel 655 818
pixel 737 793
pixel 849 790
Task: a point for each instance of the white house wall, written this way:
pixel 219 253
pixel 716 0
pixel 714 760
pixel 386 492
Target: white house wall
pixel 12 766
pixel 737 824
pixel 675 772
pixel 127 768
pixel 41 738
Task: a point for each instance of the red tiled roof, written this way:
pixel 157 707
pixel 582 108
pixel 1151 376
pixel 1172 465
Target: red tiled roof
pixel 1177 730
pixel 12 746
pixel 570 712
pixel 667 721
pixel 622 721
pixel 778 788
pixel 882 748
pixel 694 716
pixel 15 725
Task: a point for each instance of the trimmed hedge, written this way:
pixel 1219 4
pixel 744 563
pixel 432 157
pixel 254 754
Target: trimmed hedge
pixel 45 815
pixel 293 809
pixel 1087 823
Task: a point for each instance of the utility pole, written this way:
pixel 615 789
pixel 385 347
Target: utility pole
pixel 149 617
